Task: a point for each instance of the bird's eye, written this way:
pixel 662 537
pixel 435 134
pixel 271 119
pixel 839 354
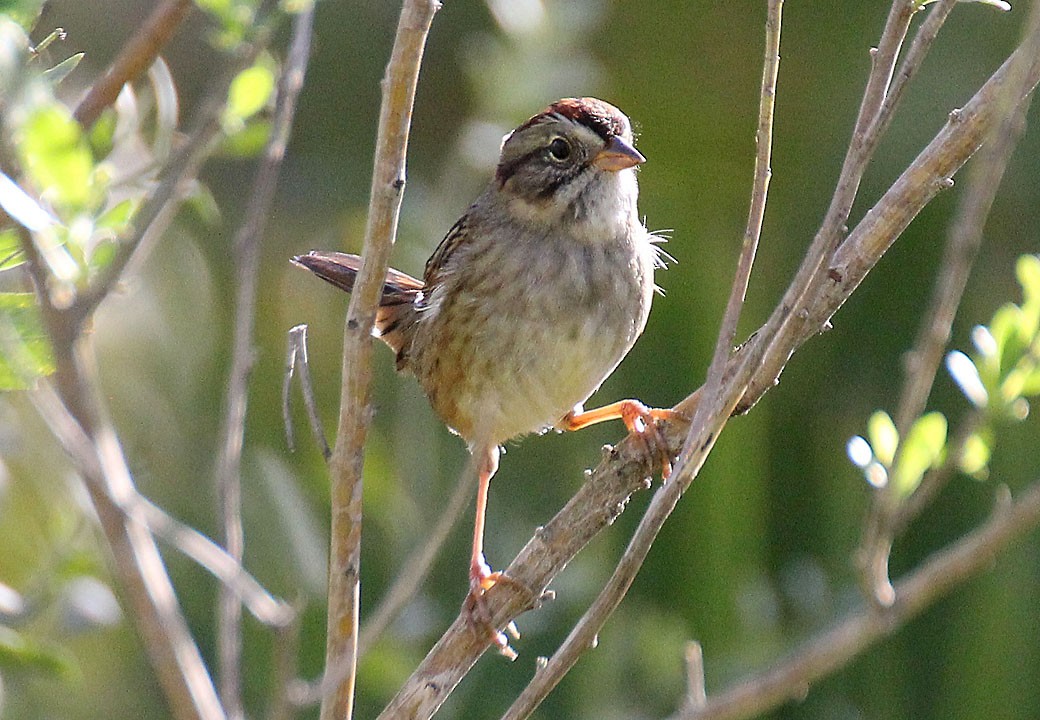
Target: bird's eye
pixel 560 149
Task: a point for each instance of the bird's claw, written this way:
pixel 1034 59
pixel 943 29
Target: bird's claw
pixel 481 580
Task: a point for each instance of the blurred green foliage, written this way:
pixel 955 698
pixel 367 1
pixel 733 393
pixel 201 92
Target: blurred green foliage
pixel 758 555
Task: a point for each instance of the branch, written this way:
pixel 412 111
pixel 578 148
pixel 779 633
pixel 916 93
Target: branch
pixel 246 254
pixel 388 179
pixel 756 365
pixel 138 565
pixel 887 515
pixel 136 56
pixel 791 676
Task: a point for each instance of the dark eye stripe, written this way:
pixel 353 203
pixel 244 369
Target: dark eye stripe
pixel 549 190
pixel 507 170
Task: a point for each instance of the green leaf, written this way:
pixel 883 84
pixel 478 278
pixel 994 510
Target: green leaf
pixel 975 456
pixel 55 154
pixel 10 250
pixel 251 90
pixel 25 352
pixel 1027 269
pixel 249 141
pixel 922 450
pixel 101 135
pixel 23 12
pixel 118 217
pixel 19 651
pixel 883 436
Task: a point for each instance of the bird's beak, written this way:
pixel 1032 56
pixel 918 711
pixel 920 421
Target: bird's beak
pixel 617 155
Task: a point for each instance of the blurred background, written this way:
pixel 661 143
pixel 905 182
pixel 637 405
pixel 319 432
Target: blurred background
pixel 758 555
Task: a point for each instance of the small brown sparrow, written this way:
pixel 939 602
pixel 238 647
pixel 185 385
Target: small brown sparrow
pixel 531 300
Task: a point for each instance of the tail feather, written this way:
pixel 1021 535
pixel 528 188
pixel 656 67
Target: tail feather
pixel 396 315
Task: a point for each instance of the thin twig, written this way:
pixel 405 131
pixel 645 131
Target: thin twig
pixel 790 676
pixel 388 179
pixel 185 539
pixel 888 513
pixel 286 664
pixel 296 361
pixel 603 496
pixel 696 695
pixel 136 56
pixel 246 256
pixel 789 316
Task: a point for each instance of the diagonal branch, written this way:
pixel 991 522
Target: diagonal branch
pixel 136 56
pixel 582 636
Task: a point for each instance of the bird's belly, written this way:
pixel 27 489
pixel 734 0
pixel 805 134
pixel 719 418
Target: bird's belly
pixel 513 371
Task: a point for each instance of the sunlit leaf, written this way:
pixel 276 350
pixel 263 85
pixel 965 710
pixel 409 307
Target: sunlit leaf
pixel 884 438
pixel 101 134
pixel 23 12
pixel 55 154
pixel 22 207
pixel 24 350
pixel 249 141
pixel 251 90
pixel 1027 269
pixel 975 456
pixel 859 451
pixel 922 450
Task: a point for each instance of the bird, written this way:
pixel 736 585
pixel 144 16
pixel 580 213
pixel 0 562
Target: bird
pixel 530 301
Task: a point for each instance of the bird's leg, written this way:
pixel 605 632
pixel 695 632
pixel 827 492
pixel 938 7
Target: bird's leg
pixel 481 578
pixel 638 418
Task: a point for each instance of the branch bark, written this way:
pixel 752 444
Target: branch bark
pixel 388 179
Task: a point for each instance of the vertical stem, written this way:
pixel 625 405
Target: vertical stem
pixel 246 254
pixel 388 177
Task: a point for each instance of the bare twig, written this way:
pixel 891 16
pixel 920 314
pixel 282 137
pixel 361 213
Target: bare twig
pixel 185 539
pixel 138 564
pixel 296 361
pixel 790 676
pixel 696 695
pixel 246 254
pixel 621 473
pixel 888 514
pixel 388 178
pixel 286 662
pixel 136 56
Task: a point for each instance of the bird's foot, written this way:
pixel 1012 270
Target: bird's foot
pixel 641 421
pixel 482 579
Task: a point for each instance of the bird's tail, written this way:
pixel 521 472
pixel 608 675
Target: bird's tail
pixel 396 315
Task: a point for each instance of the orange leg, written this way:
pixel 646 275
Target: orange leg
pixel 481 578
pixel 638 418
